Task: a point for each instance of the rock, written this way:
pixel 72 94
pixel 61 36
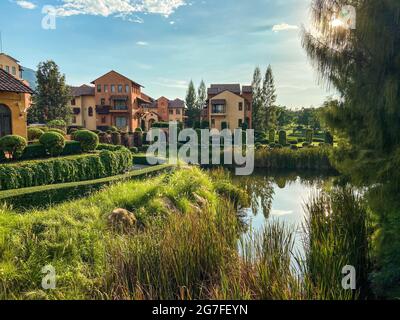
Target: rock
pixel 123 221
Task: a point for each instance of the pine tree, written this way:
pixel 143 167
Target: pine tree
pixel 201 98
pixel 192 112
pixel 51 100
pixel 269 99
pixel 258 114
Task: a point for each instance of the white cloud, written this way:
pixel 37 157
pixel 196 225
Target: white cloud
pixel 171 83
pixel 142 43
pixel 281 213
pixel 284 27
pixel 118 8
pixel 26 4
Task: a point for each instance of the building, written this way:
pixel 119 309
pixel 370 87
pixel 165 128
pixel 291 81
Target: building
pixel 229 106
pixel 162 110
pixel 15 100
pixel 11 66
pixel 83 105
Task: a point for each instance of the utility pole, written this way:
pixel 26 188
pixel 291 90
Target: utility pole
pixel 1 42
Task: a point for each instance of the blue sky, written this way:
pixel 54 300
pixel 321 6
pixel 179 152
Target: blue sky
pixel 162 44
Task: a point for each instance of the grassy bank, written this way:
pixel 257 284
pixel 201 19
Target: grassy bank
pixel 181 244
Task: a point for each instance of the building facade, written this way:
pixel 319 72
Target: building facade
pixel 229 106
pixel 83 106
pixel 11 66
pixel 15 100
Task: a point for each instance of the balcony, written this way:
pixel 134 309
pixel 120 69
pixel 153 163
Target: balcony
pixel 119 109
pixel 218 107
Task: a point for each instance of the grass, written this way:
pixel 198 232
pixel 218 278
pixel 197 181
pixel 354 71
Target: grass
pixel 184 246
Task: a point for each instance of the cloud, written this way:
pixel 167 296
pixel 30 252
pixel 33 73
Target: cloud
pixel 172 83
pixel 281 213
pixel 26 4
pixel 118 8
pixel 284 27
pixel 142 43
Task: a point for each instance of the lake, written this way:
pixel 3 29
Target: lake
pixel 280 197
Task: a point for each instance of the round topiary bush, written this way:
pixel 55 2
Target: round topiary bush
pixel 53 142
pixel 13 145
pixel 34 133
pixel 116 138
pixel 138 130
pixel 57 130
pixel 88 140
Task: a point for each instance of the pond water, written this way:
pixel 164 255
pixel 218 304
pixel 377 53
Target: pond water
pixel 280 197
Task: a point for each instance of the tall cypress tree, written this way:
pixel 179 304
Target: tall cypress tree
pixel 258 112
pixel 51 100
pixel 269 99
pixel 201 98
pixel 192 112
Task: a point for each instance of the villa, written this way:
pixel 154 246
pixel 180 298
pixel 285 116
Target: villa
pixel 116 100
pixel 15 100
pixel 229 106
pixel 11 65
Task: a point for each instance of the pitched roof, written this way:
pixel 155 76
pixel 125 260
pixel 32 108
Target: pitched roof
pixel 218 88
pixel 10 84
pixel 113 71
pixel 176 104
pixel 6 55
pixel 247 89
pixel 83 90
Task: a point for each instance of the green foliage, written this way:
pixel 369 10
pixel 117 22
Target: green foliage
pixel 52 95
pixel 138 130
pixel 72 148
pixel 62 170
pixel 328 138
pixel 116 138
pixel 53 143
pixel 285 158
pixel 13 145
pixel 134 150
pixel 309 136
pixel 62 132
pixel 271 136
pixel 161 125
pixel 192 112
pixel 282 138
pixel 34 133
pixel 87 139
pixel 57 124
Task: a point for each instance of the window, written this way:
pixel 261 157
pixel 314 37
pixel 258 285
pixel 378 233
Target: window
pixel 103 119
pixel 112 88
pixel 14 71
pixel 121 122
pixel 120 105
pixel 178 111
pixel 90 112
pixel 105 88
pixel 120 88
pixel 240 106
pixel 218 108
pixel 99 88
pixel 20 74
pixel 73 119
pixel 8 69
pixel 103 101
pixel 73 102
pixel 171 111
pixel 127 88
pixel 213 122
pixel 240 124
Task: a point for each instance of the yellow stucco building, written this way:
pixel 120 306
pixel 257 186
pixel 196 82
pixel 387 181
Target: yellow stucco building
pixel 10 65
pixel 83 105
pixel 15 100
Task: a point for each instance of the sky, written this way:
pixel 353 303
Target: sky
pixel 163 44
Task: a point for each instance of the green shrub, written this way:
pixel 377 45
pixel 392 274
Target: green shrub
pixel 138 130
pixel 116 138
pixel 34 133
pixel 57 130
pixel 72 148
pixel 13 145
pixel 88 140
pixel 309 136
pixel 66 169
pixel 328 138
pixel 271 135
pixel 282 138
pixel 58 123
pixel 163 125
pixel 109 147
pixel 134 150
pixel 53 142
pixel 33 151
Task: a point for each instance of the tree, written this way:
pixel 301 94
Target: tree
pixel 269 99
pixel 53 95
pixel 192 111
pixel 363 65
pixel 201 98
pixel 258 112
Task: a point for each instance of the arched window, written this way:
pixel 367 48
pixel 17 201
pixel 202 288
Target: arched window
pixel 90 112
pixel 5 120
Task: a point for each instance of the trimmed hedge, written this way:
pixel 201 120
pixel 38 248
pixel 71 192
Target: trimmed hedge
pixel 34 133
pixel 67 169
pixel 53 142
pixel 44 196
pixel 88 140
pixel 13 144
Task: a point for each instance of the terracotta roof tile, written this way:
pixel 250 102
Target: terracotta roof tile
pixel 10 84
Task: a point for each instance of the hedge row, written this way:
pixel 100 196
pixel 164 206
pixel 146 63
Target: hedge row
pixel 67 169
pixel 44 196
